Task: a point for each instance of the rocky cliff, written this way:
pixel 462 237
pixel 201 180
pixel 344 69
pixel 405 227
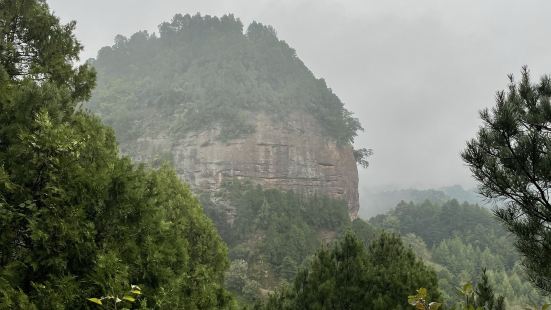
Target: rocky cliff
pixel 288 154
pixel 222 102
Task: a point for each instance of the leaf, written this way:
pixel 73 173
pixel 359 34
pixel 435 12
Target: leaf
pixel 95 300
pixel 422 293
pixel 129 298
pixel 434 305
pixel 137 292
pixel 466 290
pixel 412 300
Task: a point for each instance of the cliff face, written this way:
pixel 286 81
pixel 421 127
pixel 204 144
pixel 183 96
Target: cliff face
pixel 173 96
pixel 288 154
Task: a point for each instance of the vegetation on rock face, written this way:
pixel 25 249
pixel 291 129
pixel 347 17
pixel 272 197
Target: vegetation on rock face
pixel 204 72
pixel 76 220
pixel 511 160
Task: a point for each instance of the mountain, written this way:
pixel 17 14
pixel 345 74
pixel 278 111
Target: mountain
pixel 219 103
pixel 375 202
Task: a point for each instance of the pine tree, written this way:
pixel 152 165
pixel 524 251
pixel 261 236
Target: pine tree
pixel 484 292
pixel 510 158
pixel 349 276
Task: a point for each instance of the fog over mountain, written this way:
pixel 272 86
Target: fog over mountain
pixel 210 154
pixel 414 72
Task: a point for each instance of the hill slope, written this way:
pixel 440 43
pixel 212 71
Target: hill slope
pixel 459 240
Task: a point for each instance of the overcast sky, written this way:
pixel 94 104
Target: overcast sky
pixel 415 73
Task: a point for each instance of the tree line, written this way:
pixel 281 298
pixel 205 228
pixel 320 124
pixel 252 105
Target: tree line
pixel 82 227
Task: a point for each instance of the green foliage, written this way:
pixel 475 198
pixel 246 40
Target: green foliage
pixel 35 47
pixel 351 276
pixel 378 202
pixel 485 292
pixel 76 220
pixel 272 232
pixel 364 231
pixel 361 156
pixel 480 297
pixel 435 223
pixel 420 302
pixel 204 72
pixel 236 276
pixel 459 240
pixel 112 301
pixel 511 160
pixel 543 307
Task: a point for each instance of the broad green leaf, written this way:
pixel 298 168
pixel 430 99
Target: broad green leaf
pixel 434 305
pixel 137 292
pixel 95 300
pixel 129 298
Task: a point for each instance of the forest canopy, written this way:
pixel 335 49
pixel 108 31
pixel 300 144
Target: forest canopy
pixel 204 72
pixel 459 241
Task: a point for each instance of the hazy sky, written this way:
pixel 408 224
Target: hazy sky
pixel 416 73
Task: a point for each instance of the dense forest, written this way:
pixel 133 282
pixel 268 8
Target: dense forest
pixel 79 224
pixel 275 235
pixel 271 233
pixel 201 72
pixel 83 227
pixel 458 241
pixel 381 201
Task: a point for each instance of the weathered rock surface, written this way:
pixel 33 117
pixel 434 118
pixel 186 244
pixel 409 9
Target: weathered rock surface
pixel 288 154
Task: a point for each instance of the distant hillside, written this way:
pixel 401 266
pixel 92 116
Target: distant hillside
pixel 375 202
pixel 458 240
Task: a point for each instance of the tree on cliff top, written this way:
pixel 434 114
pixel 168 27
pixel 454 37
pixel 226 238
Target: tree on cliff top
pixel 202 72
pixel 76 220
pixel 511 160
